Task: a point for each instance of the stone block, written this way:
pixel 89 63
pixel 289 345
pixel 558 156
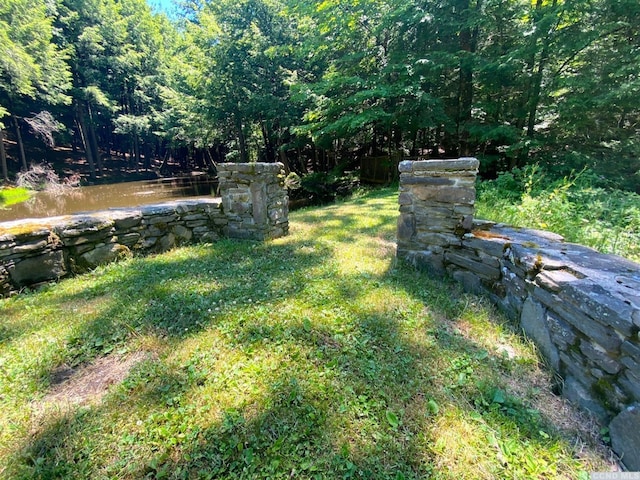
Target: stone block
pixel 182 233
pixel 561 333
pixel 98 237
pixel 624 430
pixel 605 336
pixel 428 260
pixel 599 356
pixel 405 199
pixel 493 247
pixel 459 164
pixel 239 208
pixel 534 325
pixel 161 219
pixel 127 223
pixel 83 226
pixel 40 268
pixel 475 265
pixel 630 382
pixel 429 181
pixel 82 248
pixel 259 202
pixel 405 166
pixel 447 195
pixel 554 280
pixel 148 243
pixel 101 255
pixel 600 304
pixel 166 242
pixel 195 217
pixel 208 237
pixel 128 239
pixel 27 248
pixel 156 230
pixel 196 223
pixel 406 227
pixel 160 210
pixel 469 281
pixel 632 350
pixel 578 394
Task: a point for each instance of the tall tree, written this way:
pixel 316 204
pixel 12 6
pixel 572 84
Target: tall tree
pixel 31 65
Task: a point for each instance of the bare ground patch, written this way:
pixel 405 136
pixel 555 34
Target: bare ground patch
pixel 87 384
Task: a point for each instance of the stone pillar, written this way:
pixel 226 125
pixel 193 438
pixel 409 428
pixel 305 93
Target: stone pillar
pixel 254 200
pixel 436 208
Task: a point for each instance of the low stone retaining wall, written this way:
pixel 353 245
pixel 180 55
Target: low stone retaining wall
pixel 580 307
pixel 253 205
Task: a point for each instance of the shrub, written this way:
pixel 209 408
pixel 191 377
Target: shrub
pixel 577 207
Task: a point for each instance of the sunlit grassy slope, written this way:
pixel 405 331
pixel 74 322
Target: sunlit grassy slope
pixel 312 356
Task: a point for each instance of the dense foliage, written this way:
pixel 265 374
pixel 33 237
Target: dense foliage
pixel 316 84
pixel 581 207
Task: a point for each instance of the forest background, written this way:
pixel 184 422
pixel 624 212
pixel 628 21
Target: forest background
pixel 319 85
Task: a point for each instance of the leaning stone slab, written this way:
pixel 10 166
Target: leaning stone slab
pixel 533 322
pixel 624 430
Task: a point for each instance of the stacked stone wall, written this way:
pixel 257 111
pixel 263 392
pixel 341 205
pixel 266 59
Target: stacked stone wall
pixel 580 307
pixel 35 251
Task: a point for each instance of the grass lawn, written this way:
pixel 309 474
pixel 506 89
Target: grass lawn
pixel 312 356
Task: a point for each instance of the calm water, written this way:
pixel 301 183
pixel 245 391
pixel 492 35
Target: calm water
pixel 101 197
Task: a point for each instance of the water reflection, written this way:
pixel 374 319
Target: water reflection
pixel 101 197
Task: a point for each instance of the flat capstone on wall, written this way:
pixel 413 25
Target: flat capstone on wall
pixel 253 205
pixel 580 307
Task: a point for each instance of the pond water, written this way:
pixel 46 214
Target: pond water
pixel 101 197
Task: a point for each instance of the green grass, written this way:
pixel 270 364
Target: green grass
pixel 577 208
pixel 10 196
pixel 312 356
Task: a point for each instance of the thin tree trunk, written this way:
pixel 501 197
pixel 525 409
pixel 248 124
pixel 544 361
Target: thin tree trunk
pixel 468 44
pixel 284 160
pixel 268 144
pixel 23 157
pixel 136 150
pixel 82 128
pixel 242 141
pixel 94 144
pixel 3 157
pixel 534 101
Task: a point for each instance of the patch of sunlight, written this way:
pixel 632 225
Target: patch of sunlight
pixel 460 448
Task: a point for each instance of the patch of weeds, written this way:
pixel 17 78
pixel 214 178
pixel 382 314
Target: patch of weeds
pixel 13 195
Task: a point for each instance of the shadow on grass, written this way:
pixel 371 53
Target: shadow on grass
pixel 309 379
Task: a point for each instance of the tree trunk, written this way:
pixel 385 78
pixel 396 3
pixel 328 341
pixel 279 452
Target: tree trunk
pixel 3 157
pixel 136 151
pixel 534 100
pixel 242 143
pixel 92 139
pixel 23 157
pixel 82 128
pixel 268 144
pixel 468 43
